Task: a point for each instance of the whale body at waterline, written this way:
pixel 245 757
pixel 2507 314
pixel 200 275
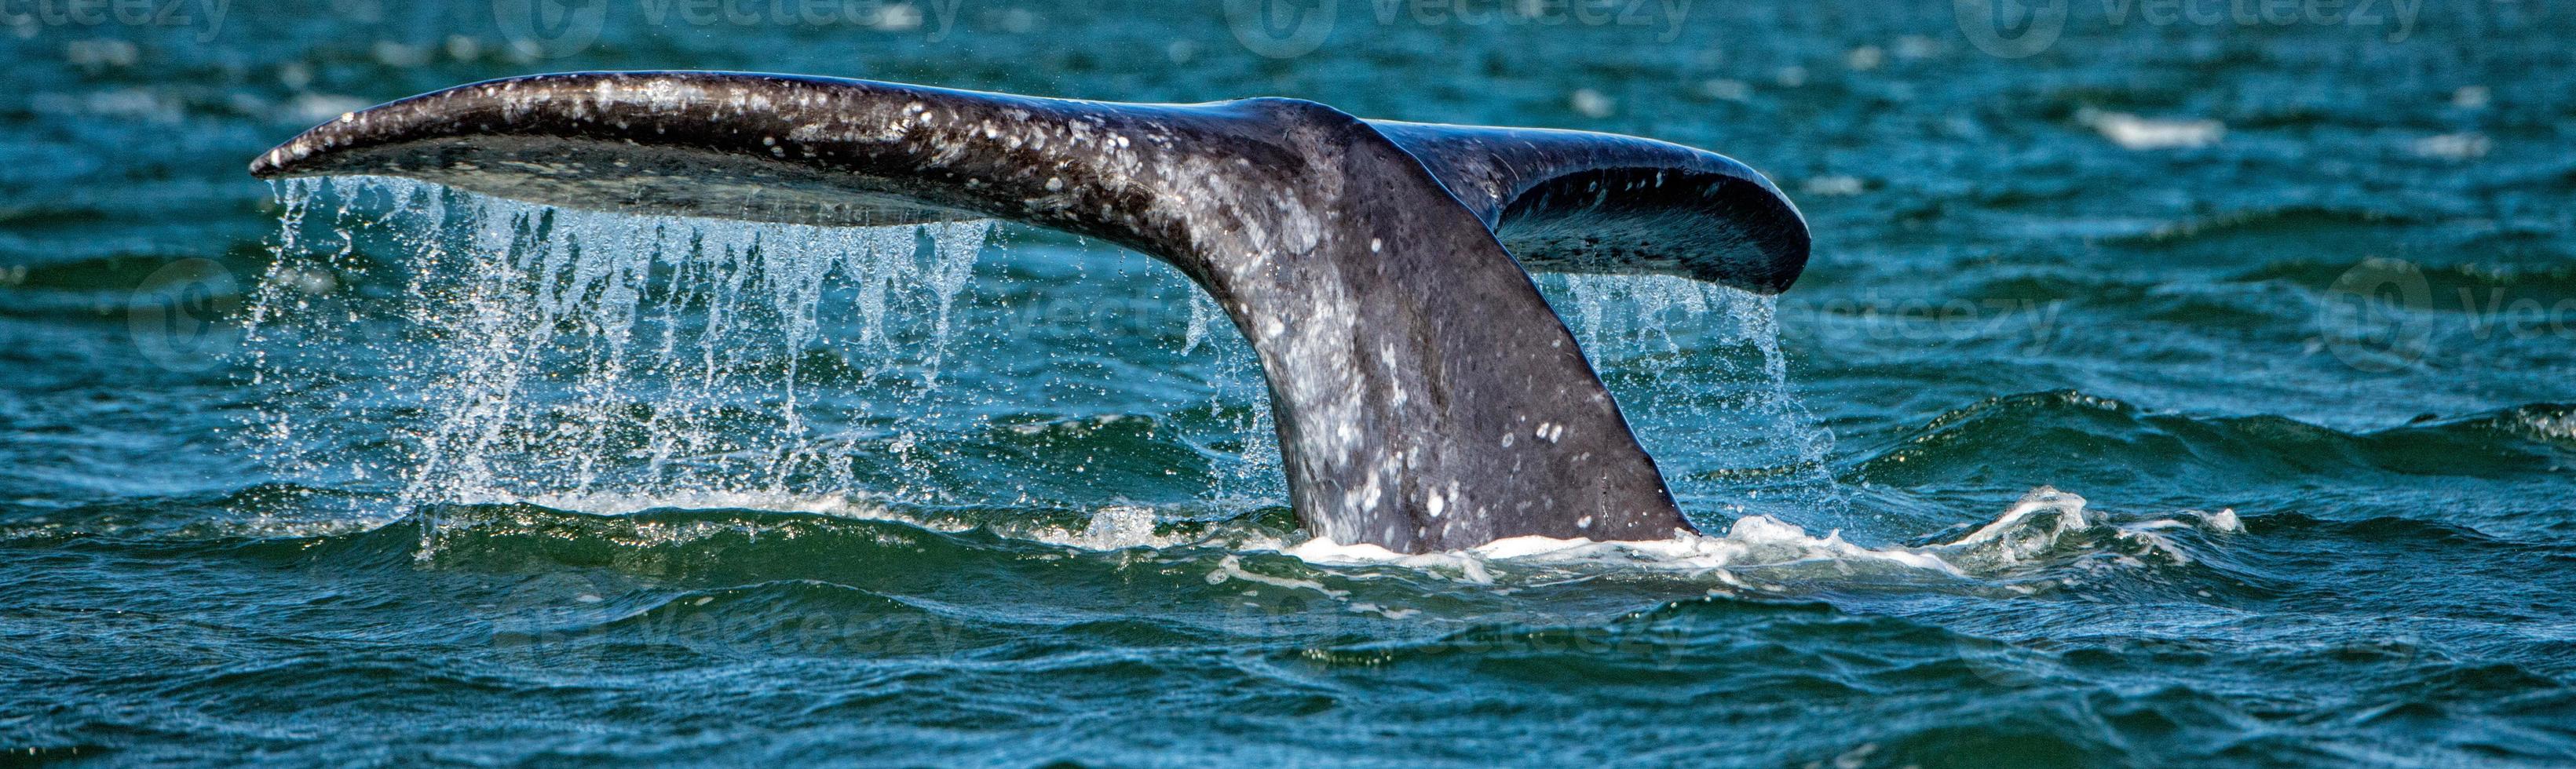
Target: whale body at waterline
pixel 1426 396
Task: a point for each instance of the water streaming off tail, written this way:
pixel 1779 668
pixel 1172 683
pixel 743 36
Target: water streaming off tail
pixel 1698 371
pixel 534 352
pixel 449 347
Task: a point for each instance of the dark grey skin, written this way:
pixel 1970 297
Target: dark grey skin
pixel 1426 396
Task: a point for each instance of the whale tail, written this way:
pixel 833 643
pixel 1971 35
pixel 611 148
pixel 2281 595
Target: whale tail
pixel 1427 397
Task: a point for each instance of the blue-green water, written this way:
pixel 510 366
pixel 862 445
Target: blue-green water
pixel 2281 315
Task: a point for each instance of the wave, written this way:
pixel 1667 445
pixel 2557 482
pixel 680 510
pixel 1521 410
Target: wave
pixel 2266 222
pixel 2462 287
pixel 1758 553
pixel 2045 542
pixel 526 597
pixel 2073 437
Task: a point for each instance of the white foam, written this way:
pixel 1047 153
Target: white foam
pixel 1117 527
pixel 1750 541
pixel 2069 507
pixel 2043 520
pixel 2469 145
pixel 611 503
pixel 1231 568
pixel 2132 132
pixel 2542 425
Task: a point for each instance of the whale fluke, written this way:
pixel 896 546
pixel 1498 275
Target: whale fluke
pixel 1426 396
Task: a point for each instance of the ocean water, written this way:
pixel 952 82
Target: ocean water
pixel 2170 386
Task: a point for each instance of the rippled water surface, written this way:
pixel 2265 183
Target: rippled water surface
pixel 2190 391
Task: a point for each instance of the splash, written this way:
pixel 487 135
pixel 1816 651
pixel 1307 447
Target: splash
pixel 1245 453
pixel 1699 370
pixel 534 352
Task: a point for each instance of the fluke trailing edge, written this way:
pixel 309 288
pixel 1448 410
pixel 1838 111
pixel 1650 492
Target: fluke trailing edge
pixel 1426 396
